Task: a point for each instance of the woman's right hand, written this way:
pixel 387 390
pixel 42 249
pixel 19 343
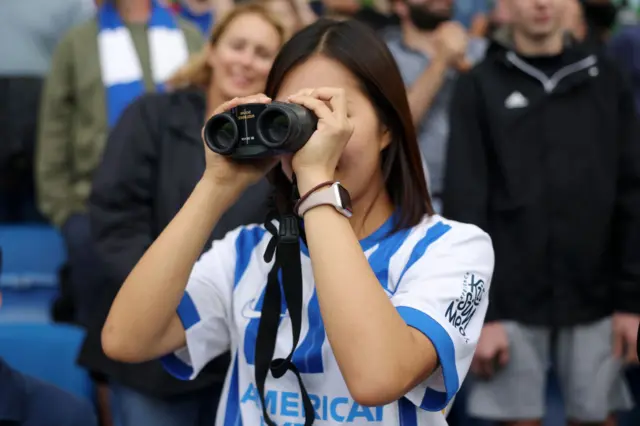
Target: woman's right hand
pixel 223 170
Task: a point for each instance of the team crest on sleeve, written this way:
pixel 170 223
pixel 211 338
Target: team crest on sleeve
pixel 461 311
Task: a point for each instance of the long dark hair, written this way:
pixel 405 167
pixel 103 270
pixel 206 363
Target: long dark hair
pixel 360 50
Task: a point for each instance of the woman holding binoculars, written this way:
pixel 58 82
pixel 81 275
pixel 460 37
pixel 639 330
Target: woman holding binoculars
pixel 393 296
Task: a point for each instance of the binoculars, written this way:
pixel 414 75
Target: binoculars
pixel 252 131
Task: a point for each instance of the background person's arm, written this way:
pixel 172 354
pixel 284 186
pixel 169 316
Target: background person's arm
pixel 450 48
pixel 424 90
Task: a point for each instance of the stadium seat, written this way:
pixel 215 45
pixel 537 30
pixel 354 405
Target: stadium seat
pixel 32 257
pixel 47 352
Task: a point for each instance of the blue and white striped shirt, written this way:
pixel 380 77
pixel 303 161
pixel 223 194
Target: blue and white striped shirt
pixel 436 274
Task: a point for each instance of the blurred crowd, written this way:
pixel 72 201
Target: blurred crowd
pixel 527 118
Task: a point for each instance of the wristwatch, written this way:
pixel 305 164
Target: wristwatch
pixel 332 194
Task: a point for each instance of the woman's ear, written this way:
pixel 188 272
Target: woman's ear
pixel 385 137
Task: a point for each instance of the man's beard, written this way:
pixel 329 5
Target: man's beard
pixel 425 20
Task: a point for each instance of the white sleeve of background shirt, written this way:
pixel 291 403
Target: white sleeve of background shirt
pixel 444 294
pixel 205 309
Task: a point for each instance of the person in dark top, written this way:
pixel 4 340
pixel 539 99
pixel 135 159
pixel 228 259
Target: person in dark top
pixel 27 401
pixel 600 18
pixel 544 156
pixel 625 49
pixel 153 159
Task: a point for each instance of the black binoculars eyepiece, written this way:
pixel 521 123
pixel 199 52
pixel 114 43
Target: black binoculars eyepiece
pixel 251 131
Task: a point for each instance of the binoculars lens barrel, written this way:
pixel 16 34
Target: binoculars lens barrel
pixel 221 134
pixel 259 130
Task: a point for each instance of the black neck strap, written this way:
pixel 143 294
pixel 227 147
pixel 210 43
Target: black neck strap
pixel 285 242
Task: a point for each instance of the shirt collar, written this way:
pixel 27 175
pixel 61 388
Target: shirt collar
pixel 366 243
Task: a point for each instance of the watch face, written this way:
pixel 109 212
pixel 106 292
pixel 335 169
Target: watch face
pixel 345 198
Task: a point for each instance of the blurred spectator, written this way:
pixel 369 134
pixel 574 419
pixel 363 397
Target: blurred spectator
pixel 592 32
pixel 430 49
pixel 153 159
pixel 139 44
pixel 628 13
pixel 573 20
pixel 466 11
pixel 198 12
pixel 499 16
pixel 345 8
pixel 294 14
pixel 544 156
pixel 377 14
pixel 27 401
pixel 600 19
pixel 625 48
pixel 27 41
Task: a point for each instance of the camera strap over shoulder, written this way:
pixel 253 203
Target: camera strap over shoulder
pixel 285 278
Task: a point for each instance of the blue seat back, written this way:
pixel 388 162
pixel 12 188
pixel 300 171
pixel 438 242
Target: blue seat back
pixel 47 352
pixel 32 256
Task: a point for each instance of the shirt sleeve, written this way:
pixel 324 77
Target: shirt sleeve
pixel 205 309
pixel 443 294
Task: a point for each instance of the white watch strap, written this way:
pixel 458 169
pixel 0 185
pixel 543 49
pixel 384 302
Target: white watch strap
pixel 321 197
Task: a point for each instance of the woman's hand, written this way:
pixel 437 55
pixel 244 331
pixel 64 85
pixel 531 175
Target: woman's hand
pixel 316 162
pixel 225 171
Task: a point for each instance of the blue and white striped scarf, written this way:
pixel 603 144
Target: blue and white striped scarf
pixel 119 63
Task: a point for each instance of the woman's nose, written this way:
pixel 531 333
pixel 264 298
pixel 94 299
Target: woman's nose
pixel 247 58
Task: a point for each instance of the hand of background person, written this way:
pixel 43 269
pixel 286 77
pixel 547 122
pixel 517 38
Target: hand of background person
pixel 625 336
pixel 225 171
pixel 451 41
pixel 492 352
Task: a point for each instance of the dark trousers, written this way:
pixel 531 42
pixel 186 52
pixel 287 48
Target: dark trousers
pixel 132 408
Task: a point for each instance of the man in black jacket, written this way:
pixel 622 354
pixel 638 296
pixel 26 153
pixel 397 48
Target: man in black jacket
pixel 544 154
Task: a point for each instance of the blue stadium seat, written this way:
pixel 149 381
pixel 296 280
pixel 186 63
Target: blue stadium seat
pixel 32 257
pixel 47 352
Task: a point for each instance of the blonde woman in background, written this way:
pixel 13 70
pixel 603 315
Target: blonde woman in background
pixel 153 159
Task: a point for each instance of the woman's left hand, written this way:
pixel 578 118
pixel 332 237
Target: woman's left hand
pixel 316 162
